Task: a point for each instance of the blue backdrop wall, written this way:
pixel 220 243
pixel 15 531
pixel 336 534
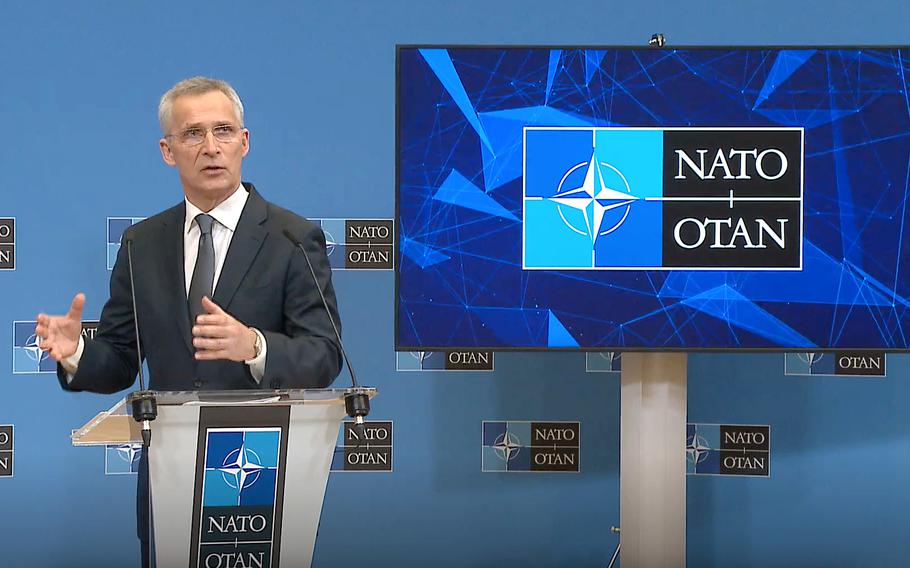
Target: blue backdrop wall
pixel 78 95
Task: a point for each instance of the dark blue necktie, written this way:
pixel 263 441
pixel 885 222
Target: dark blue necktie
pixel 204 271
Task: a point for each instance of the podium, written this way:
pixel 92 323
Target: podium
pixel 237 477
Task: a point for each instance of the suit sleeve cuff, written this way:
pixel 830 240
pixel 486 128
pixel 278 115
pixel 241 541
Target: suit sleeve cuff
pixel 257 364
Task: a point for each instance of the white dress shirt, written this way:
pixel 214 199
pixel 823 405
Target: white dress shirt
pixel 226 216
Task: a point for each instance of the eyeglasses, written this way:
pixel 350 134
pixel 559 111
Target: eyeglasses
pixel 195 136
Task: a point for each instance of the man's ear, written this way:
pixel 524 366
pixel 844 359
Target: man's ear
pixel 166 153
pixel 245 141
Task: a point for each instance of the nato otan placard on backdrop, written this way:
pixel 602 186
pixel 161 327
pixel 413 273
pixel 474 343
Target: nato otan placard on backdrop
pixel 454 360
pixel 28 357
pixel 359 244
pixel 603 362
pixel 7 243
pixel 6 450
pixel 728 450
pixel 521 446
pixel 370 451
pixel 836 364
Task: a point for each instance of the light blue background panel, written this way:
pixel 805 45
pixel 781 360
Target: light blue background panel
pixel 78 101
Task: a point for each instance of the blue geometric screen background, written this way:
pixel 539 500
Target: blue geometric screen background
pixel 462 118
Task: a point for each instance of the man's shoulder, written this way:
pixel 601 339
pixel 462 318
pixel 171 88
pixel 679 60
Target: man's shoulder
pixel 148 227
pixel 283 219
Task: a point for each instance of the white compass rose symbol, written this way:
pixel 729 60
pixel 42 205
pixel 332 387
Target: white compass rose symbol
pixel 241 468
pixel 507 446
pixel 421 356
pixel 697 449
pixel 32 349
pixel 595 197
pixel 129 452
pixel 330 243
pixel 810 358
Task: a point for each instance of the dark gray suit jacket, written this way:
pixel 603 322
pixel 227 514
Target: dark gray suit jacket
pixel 264 283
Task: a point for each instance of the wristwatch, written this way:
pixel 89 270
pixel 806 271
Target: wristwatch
pixel 257 344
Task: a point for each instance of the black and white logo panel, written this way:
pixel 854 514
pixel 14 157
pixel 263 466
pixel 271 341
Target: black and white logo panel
pixel 7 243
pixel 455 360
pixel 369 449
pixel 531 446
pixel 836 364
pixel 728 449
pixel 6 450
pixel 359 244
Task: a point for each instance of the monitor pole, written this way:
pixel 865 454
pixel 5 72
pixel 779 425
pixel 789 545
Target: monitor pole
pixel 652 471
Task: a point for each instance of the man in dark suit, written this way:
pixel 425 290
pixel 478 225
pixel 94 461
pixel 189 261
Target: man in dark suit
pixel 223 299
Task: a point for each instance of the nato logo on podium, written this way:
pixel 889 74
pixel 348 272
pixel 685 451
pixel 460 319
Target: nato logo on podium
pixel 239 492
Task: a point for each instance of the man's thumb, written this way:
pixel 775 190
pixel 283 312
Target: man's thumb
pixel 76 307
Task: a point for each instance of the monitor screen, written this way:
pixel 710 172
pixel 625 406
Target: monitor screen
pixel 639 198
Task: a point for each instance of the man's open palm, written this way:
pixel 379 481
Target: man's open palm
pixel 60 334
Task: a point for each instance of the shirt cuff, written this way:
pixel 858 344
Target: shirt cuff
pixel 71 363
pixel 257 364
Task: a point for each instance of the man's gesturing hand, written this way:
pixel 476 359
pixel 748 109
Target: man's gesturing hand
pixel 217 335
pixel 60 334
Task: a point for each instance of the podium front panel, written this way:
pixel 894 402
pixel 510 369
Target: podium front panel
pixel 243 483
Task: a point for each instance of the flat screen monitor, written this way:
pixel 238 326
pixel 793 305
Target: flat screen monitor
pixel 652 198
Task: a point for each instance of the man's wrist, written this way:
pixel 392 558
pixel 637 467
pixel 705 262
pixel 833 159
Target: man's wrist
pixel 255 345
pixel 71 363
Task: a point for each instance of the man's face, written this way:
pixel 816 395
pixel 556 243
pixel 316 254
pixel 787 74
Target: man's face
pixel 210 170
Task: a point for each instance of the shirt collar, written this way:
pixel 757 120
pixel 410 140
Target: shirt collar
pixel 227 213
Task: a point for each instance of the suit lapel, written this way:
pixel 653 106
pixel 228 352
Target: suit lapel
pixel 245 245
pixel 174 292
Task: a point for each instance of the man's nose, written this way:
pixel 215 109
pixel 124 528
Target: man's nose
pixel 210 144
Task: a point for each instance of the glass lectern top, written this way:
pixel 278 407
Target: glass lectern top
pixel 116 425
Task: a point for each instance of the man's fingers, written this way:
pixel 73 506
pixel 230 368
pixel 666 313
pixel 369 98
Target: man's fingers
pixel 209 355
pixel 211 307
pixel 212 319
pixel 210 343
pixel 211 331
pixel 55 354
pixel 76 307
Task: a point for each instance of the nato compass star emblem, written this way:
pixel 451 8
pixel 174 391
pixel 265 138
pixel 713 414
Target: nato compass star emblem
pixel 330 243
pixel 697 449
pixel 604 190
pixel 32 349
pixel 28 357
pixel 592 198
pixel 122 459
pixel 241 468
pixel 507 446
pixel 810 358
pixel 810 363
pixel 129 452
pixel 627 198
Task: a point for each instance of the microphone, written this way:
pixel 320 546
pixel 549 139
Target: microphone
pixel 356 402
pixel 144 404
